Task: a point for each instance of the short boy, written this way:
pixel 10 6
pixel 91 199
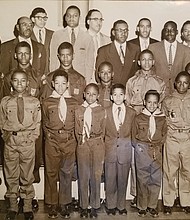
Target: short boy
pixel 60 144
pixel 176 156
pixel 148 135
pixel 118 150
pixel 89 129
pixel 20 117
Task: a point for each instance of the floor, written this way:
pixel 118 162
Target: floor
pixel 132 213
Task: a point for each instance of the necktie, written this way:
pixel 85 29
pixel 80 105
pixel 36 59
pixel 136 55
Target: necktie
pixel 40 36
pixel 62 109
pixel 95 42
pixel 20 109
pixel 122 56
pixel 73 38
pixel 119 116
pixel 170 58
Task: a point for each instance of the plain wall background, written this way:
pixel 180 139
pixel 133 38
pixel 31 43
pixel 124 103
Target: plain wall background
pixel 158 11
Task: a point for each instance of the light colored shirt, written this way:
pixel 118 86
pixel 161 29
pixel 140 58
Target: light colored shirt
pixel 43 34
pixel 144 43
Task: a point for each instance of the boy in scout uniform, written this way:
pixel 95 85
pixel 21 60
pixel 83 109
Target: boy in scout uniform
pixel 60 145
pixel 20 118
pixel 176 156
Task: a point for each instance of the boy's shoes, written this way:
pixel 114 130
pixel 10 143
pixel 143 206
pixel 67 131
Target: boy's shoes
pixel 28 215
pixel 142 213
pixel 110 211
pixel 134 202
pixel 75 205
pixel 84 213
pixel 93 213
pixel 167 210
pixel 177 202
pixel 65 212
pixel 186 209
pixel 20 205
pixel 11 215
pixel 122 212
pixel 152 212
pixel 35 205
pixel 53 212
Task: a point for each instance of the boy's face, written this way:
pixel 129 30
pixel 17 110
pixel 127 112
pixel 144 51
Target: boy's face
pixel 72 17
pixel 65 57
pixel 40 19
pixel 186 32
pixel 144 28
pixel 19 82
pixel 91 95
pixel 151 103
pixel 60 84
pixel 146 61
pixel 182 84
pixel 118 96
pixel 95 21
pixel 170 32
pixel 120 33
pixel 23 55
pixel 106 73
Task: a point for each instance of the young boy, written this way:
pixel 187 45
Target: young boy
pixel 105 73
pixel 20 117
pixel 148 135
pixel 176 157
pixel 143 80
pixel 118 150
pixel 60 145
pixel 89 129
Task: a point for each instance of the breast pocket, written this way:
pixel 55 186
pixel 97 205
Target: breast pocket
pixel 29 112
pixel 11 113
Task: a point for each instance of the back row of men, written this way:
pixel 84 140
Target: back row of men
pixel 91 47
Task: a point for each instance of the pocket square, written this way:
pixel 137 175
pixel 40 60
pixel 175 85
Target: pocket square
pixel 134 61
pixel 39 55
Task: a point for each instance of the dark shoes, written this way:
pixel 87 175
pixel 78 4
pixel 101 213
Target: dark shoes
pixel 93 213
pixel 28 215
pixel 167 210
pixel 84 213
pixel 11 215
pixel 177 202
pixel 152 212
pixel 110 211
pixel 122 212
pixel 53 212
pixel 134 202
pixel 65 211
pixel 35 205
pixel 186 209
pixel 142 213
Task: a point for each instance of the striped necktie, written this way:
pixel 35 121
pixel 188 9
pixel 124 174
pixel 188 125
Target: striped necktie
pixel 40 36
pixel 73 38
pixel 122 56
pixel 170 58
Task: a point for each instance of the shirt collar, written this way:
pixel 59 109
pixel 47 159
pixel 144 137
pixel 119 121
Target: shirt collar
pixel 76 30
pixel 115 107
pixel 167 44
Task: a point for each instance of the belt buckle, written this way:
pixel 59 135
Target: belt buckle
pixel 60 131
pixel 14 133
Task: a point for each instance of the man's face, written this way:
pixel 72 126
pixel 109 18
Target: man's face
pixel 23 55
pixel 121 33
pixel 40 19
pixel 72 17
pixel 65 57
pixel 25 27
pixel 144 29
pixel 170 32
pixel 186 32
pixel 95 21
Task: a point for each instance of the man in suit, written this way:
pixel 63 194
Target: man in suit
pixel 40 33
pixel 120 53
pixel 171 57
pixel 83 61
pixel 23 31
pixel 143 32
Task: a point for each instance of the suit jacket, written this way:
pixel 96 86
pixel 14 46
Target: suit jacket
pixel 48 37
pixel 83 61
pixel 8 61
pixel 121 72
pixel 137 41
pixel 182 57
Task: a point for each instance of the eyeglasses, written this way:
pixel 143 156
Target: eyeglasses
pixel 122 30
pixel 41 18
pixel 96 19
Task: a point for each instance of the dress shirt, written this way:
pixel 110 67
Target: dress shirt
pixel 142 43
pixel 43 33
pixel 118 47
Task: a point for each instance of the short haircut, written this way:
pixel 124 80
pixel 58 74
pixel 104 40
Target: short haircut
pixel 22 44
pixel 152 92
pixel 186 22
pixel 187 67
pixel 65 45
pixel 105 63
pixel 142 19
pixel 88 16
pixel 15 71
pixel 145 51
pixel 36 11
pixel 170 22
pixel 182 73
pixel 60 72
pixel 94 85
pixel 72 7
pixel 118 86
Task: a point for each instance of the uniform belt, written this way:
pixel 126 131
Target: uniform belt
pixel 182 130
pixel 15 133
pixel 95 135
pixel 69 135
